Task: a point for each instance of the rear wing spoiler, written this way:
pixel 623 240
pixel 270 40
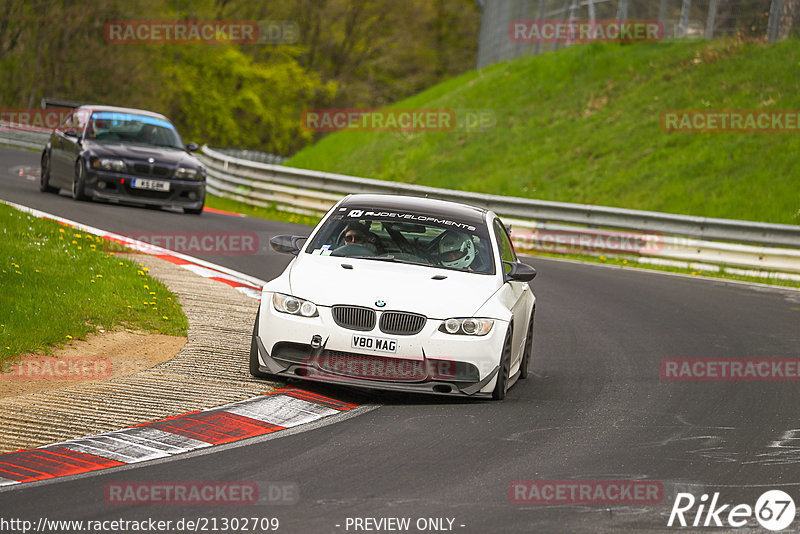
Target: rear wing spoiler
pixel 58 103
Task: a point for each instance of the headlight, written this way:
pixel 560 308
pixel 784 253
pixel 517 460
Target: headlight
pixel 184 173
pixel 108 164
pixel 470 326
pixel 293 305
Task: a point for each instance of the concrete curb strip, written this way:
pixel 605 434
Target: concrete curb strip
pixel 210 370
pixel 279 410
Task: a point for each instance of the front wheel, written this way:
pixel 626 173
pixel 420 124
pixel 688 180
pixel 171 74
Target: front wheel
pixel 254 363
pixel 195 211
pixel 79 182
pixel 527 354
pixel 44 176
pixel 501 387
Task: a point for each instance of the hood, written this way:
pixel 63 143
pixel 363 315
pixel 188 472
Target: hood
pixel 164 156
pixel 324 281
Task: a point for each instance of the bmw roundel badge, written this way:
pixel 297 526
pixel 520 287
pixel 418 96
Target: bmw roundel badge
pixel 380 303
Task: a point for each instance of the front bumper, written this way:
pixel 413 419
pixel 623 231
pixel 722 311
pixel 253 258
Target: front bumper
pixel 116 187
pixel 317 349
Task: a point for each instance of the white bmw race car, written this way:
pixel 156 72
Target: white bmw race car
pixel 400 293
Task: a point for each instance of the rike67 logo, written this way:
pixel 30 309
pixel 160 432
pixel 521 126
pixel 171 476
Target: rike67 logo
pixel 774 510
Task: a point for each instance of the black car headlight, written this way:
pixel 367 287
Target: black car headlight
pixel 187 173
pixel 293 305
pixel 109 164
pixel 470 326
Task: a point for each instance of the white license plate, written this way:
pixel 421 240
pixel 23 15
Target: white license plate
pixel 377 344
pixel 154 185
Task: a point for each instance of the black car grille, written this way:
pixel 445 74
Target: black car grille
pixel 402 323
pixel 141 168
pixel 144 169
pixel 354 317
pixel 371 367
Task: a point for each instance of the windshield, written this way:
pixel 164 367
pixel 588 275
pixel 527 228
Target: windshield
pixel 130 128
pixel 405 237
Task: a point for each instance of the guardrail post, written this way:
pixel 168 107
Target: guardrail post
pixel 775 12
pixel 542 6
pixel 622 10
pixel 683 24
pixel 573 12
pixel 712 18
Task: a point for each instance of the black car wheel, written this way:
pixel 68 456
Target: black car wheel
pixel 501 388
pixel 79 182
pixel 44 178
pixel 527 354
pixel 254 363
pixel 194 211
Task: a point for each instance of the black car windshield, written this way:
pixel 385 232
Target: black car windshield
pixel 405 237
pixel 116 127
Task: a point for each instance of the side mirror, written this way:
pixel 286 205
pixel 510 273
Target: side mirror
pixel 286 244
pixel 192 147
pixel 520 272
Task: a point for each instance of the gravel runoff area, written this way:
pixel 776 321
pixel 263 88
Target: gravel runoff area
pixel 210 370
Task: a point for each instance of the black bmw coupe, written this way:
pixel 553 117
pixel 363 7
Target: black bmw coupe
pixel 123 155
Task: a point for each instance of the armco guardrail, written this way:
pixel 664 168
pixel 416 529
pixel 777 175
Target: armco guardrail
pixel 35 139
pixel 315 192
pixel 234 174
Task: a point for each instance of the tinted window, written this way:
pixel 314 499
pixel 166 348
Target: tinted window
pixel 405 237
pixel 114 127
pixel 504 243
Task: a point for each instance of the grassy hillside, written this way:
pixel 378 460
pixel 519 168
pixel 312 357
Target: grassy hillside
pixel 583 125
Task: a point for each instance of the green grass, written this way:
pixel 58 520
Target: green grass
pixel 58 283
pixel 583 125
pixel 272 213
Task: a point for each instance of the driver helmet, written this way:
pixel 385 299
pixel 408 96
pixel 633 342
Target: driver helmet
pixel 456 250
pixel 358 228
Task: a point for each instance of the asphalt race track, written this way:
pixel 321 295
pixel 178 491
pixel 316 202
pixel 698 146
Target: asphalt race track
pixel 595 408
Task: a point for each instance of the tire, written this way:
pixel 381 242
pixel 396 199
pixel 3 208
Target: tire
pixel 501 387
pixel 527 353
pixel 254 364
pixel 44 178
pixel 79 181
pixel 195 211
